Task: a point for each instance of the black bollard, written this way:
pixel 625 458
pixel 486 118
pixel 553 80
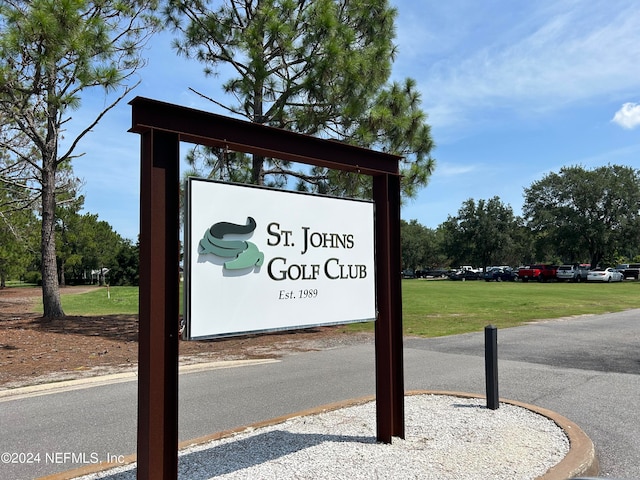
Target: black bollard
pixel 491 365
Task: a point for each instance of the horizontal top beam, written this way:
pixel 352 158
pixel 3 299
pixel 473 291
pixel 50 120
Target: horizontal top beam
pixel 204 128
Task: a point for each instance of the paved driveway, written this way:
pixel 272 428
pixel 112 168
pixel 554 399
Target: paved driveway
pixel 584 368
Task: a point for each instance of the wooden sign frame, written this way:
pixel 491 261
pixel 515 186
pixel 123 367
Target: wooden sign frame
pixel 162 127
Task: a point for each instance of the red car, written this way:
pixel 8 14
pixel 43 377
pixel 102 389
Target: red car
pixel 539 272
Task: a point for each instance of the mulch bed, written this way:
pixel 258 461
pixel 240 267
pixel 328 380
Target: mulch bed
pixel 37 350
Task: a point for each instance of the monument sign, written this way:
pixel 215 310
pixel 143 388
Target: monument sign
pixel 162 128
pixel 260 259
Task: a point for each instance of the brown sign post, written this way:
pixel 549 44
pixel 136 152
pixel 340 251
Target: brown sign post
pixel 162 127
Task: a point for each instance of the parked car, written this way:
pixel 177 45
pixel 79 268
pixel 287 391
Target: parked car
pixel 633 270
pixel 605 275
pixel 432 273
pixel 464 275
pixel 573 273
pixel 408 273
pixel 500 274
pixel 622 267
pixel 540 272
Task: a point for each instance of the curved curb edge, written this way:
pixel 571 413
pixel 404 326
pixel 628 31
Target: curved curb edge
pixel 580 460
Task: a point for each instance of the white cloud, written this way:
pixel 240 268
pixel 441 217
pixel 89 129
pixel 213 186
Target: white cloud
pixel 452 170
pixel 628 116
pixel 551 55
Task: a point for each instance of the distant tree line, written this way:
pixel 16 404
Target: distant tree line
pixel 573 216
pixel 84 245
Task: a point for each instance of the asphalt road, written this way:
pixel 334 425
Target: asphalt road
pixel 584 368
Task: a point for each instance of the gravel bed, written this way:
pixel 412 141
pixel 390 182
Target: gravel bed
pixel 447 437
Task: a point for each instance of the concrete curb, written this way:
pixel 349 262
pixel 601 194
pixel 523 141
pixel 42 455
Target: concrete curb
pixel 581 459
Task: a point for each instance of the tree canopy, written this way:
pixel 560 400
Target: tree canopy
pixel 50 52
pixel 317 67
pixel 484 233
pixel 586 213
pixel 18 243
pixel 85 243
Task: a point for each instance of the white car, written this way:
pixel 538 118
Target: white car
pixel 606 275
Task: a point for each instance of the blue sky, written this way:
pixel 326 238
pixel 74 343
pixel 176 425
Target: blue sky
pixel 513 89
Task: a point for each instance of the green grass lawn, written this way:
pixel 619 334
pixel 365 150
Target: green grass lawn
pixel 19 284
pixel 437 308
pixel 101 301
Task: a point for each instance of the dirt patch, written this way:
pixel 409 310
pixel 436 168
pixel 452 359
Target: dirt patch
pixel 35 350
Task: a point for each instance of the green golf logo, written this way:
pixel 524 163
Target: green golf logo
pixel 243 254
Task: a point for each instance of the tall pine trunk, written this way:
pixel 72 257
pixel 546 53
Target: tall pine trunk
pixel 257 163
pixel 257 170
pixel 50 288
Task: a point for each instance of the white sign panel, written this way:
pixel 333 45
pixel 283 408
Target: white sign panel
pixel 262 260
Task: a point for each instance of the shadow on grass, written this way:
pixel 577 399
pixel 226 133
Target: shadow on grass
pixel 125 328
pixel 117 327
